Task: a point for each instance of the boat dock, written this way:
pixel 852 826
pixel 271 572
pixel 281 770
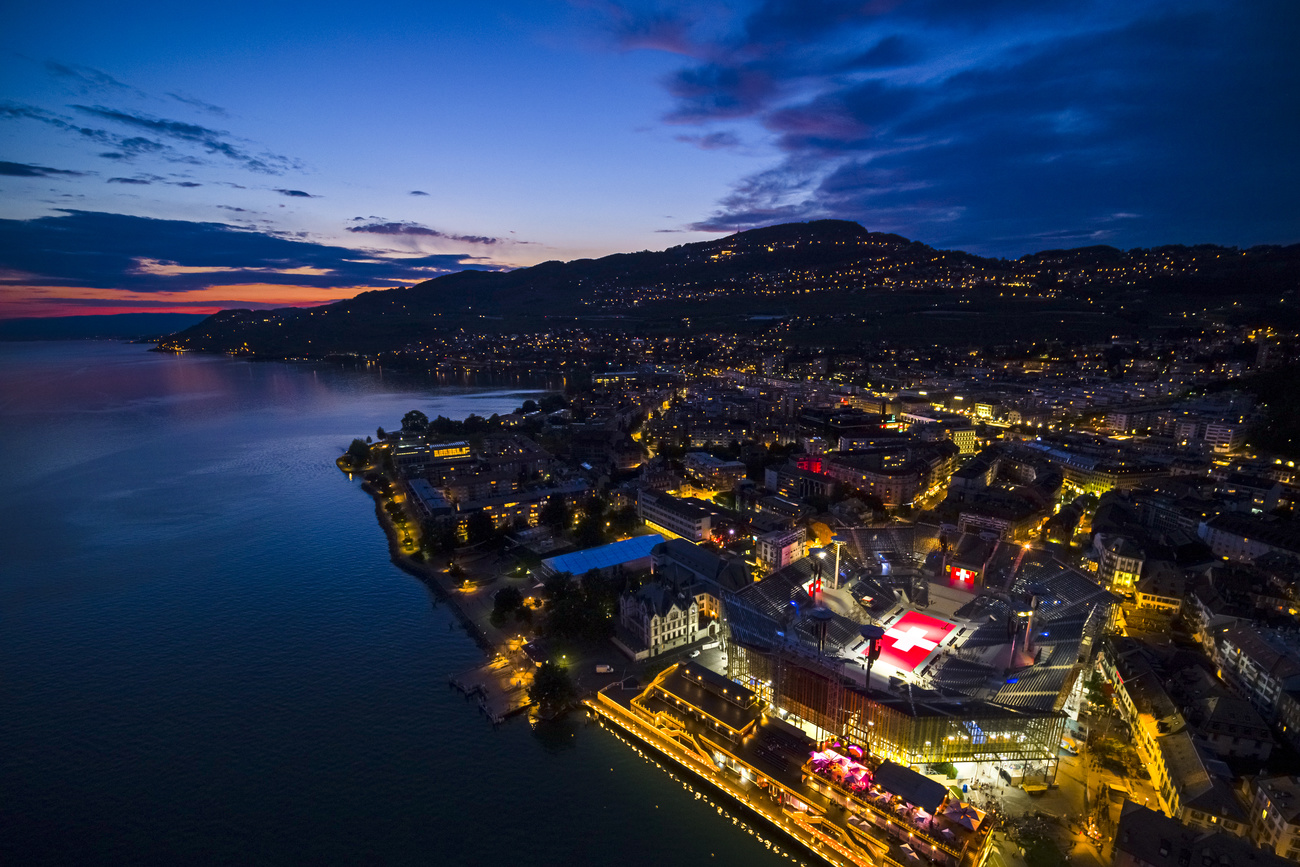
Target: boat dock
pixel 500 686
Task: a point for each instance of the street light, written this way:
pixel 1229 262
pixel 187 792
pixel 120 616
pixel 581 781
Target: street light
pixel 838 541
pixel 872 633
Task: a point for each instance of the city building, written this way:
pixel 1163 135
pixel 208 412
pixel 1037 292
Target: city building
pixel 1190 787
pixel 928 697
pixel 1146 838
pixel 714 472
pixel 1248 537
pixel 656 617
pixel 625 556
pixel 674 516
pixel 780 548
pixel 1275 814
pixel 414 457
pixel 833 797
pixel 1120 563
pixel 1260 664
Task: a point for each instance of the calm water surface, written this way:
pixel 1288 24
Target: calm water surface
pixel 207 658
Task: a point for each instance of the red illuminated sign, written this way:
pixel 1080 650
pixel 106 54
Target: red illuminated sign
pixel 911 639
pixel 958 575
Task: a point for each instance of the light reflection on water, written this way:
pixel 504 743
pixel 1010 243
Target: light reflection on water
pixel 206 657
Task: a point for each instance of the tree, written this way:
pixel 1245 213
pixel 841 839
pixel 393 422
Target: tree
pixel 479 527
pixel 379 433
pixel 624 520
pixel 595 506
pixel 415 422
pixel 590 531
pixel 359 453
pixel 507 601
pixel 582 611
pixel 552 689
pixel 552 402
pixel 555 514
pixel 530 406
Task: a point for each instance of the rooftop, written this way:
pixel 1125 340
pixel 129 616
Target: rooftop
pixel 1154 839
pixel 604 557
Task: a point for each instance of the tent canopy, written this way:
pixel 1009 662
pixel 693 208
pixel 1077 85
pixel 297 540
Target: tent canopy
pixel 916 789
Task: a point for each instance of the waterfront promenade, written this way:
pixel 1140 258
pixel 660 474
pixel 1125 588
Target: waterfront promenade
pixel 470 596
pixel 802 830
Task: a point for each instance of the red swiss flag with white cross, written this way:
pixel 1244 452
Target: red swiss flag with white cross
pixel 911 639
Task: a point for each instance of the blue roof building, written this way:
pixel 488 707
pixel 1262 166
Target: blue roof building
pixel 631 554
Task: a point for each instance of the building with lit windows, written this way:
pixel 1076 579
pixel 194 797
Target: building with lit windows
pixel 713 471
pixel 414 457
pixel 1147 838
pixel 674 516
pixel 1120 563
pixel 1190 785
pixel 780 548
pixel 656 617
pixel 1275 814
pixel 1260 664
pixel 1248 537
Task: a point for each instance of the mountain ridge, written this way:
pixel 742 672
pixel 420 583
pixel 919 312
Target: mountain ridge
pixel 823 264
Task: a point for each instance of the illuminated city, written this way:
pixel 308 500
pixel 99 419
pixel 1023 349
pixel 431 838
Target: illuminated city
pixel 650 432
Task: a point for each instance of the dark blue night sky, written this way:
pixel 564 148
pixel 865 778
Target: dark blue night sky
pixel 168 156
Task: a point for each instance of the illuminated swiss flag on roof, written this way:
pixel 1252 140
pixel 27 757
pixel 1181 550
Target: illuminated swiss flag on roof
pixel 911 639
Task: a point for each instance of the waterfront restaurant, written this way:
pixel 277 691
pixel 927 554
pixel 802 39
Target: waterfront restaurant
pixel 887 802
pixel 870 812
pixel 687 691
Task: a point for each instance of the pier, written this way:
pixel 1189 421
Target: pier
pixel 501 687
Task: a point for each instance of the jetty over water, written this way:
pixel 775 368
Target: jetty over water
pixel 500 685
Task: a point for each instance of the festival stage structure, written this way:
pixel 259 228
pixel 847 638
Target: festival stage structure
pixel 983 685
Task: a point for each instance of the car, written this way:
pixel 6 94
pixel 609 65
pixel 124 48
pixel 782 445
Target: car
pixel 694 653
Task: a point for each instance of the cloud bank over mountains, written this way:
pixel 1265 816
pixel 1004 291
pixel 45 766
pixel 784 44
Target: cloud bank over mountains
pixel 996 125
pixel 114 256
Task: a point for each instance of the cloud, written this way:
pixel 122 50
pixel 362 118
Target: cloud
pixel 891 51
pixel 18 111
pixel 717 91
pixel 418 193
pixel 989 125
pixel 165 136
pixel 407 228
pixel 210 140
pixel 115 252
pixel 712 141
pixel 87 79
pixel 299 194
pixel 195 102
pixel 37 300
pixel 143 179
pixel 29 170
pixel 659 29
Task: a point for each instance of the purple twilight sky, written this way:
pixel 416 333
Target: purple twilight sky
pixel 180 157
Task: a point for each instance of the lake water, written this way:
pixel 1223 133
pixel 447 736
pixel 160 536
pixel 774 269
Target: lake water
pixel 206 656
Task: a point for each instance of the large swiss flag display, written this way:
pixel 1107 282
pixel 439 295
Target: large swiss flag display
pixel 909 641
